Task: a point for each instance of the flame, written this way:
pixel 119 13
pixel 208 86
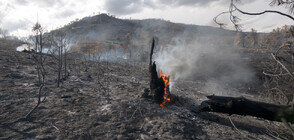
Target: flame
pixel 166 95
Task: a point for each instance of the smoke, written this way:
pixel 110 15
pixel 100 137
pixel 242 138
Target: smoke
pixel 186 2
pixel 216 62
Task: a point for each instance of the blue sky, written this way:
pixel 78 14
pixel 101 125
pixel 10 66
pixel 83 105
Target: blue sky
pixel 18 16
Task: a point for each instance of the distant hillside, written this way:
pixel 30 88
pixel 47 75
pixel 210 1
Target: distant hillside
pixel 110 29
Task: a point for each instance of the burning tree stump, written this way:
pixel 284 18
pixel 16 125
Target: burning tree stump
pixel 159 84
pixel 159 87
pixel 243 106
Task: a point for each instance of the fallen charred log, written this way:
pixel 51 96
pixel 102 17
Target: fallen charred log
pixel 243 106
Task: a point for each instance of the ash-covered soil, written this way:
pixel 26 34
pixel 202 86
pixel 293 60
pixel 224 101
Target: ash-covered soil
pixel 104 101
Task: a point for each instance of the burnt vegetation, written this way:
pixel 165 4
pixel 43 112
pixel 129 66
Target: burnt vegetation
pixel 102 77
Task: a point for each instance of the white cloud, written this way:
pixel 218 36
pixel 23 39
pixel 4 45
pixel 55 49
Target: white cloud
pixel 186 2
pixel 65 13
pixel 20 24
pixel 18 15
pixel 124 7
pixel 21 2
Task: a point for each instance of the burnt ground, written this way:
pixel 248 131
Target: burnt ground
pixel 104 101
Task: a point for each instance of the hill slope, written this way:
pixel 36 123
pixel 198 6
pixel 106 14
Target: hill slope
pixel 104 28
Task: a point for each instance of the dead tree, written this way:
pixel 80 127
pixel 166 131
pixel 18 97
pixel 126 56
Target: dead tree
pixel 243 106
pixel 281 70
pixel 158 84
pixel 59 40
pixel 39 60
pixel 280 74
pixel 66 73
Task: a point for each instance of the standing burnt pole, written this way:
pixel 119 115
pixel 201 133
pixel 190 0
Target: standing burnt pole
pixel 156 83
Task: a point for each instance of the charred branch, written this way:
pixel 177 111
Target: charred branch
pixel 234 19
pixel 261 13
pixel 282 65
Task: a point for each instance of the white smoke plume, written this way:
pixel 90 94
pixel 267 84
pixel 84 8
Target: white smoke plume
pixel 209 61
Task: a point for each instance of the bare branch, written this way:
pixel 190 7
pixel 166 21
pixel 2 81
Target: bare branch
pixel 260 13
pixel 234 19
pixel 235 126
pixel 221 25
pixel 287 3
pixel 283 46
pixel 282 65
pixel 275 75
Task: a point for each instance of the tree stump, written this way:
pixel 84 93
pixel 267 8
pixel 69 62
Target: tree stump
pixel 156 83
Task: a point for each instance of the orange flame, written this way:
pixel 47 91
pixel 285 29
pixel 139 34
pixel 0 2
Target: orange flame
pixel 166 95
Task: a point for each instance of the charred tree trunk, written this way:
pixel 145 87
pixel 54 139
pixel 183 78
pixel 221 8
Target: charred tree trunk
pixel 59 67
pixel 66 74
pixel 243 106
pixel 156 83
pixel 61 59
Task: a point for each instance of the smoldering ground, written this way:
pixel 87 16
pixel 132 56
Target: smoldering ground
pixel 216 62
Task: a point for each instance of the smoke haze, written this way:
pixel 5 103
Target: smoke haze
pixel 214 62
